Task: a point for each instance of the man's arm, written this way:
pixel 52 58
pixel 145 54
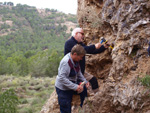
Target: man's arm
pixel 100 50
pixel 81 77
pixel 94 49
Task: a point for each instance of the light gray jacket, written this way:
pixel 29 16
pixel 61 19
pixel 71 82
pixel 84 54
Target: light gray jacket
pixel 63 80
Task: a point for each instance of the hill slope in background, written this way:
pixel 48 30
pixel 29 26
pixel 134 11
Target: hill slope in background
pixel 32 39
pixel 31 47
pixel 24 28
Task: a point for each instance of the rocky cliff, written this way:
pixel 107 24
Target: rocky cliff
pixel 125 24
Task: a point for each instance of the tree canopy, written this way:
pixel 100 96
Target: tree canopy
pixel 32 40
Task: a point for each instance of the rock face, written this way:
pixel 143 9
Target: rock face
pixel 125 24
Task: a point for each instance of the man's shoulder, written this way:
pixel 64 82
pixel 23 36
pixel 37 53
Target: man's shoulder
pixel 65 59
pixel 70 40
pixel 70 43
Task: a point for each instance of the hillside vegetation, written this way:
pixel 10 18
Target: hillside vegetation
pixel 31 47
pixel 29 93
pixel 32 40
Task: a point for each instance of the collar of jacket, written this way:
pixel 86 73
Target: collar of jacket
pixel 76 40
pixel 75 65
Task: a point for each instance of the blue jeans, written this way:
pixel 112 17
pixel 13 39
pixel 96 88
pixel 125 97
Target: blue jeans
pixel 65 99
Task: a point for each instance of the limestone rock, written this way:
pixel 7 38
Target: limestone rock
pixel 126 24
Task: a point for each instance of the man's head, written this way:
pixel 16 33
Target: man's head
pixel 78 34
pixel 77 53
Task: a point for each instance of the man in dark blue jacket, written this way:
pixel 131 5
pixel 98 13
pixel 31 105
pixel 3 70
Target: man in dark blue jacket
pixel 77 38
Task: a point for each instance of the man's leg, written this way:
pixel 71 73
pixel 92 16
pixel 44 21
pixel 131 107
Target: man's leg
pixel 93 81
pixel 64 100
pixel 83 94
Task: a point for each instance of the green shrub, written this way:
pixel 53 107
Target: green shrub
pixel 38 87
pixel 31 92
pixel 15 82
pixel 35 101
pixel 23 101
pixel 8 102
pixel 6 84
pixel 26 110
pixel 145 81
pixel 53 82
pixel 41 94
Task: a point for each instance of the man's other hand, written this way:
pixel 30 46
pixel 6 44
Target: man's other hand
pixel 106 45
pixel 79 89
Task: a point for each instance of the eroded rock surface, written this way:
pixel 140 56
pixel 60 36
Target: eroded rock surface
pixel 126 24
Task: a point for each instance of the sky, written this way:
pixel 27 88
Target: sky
pixel 66 6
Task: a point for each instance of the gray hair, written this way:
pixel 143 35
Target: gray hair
pixel 75 31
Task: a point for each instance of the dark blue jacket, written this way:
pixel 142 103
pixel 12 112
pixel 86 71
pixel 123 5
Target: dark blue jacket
pixel 89 50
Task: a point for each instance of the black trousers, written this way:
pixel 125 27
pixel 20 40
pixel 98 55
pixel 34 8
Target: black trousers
pixel 65 98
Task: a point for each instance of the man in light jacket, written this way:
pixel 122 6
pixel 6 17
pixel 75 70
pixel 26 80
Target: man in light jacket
pixel 67 80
